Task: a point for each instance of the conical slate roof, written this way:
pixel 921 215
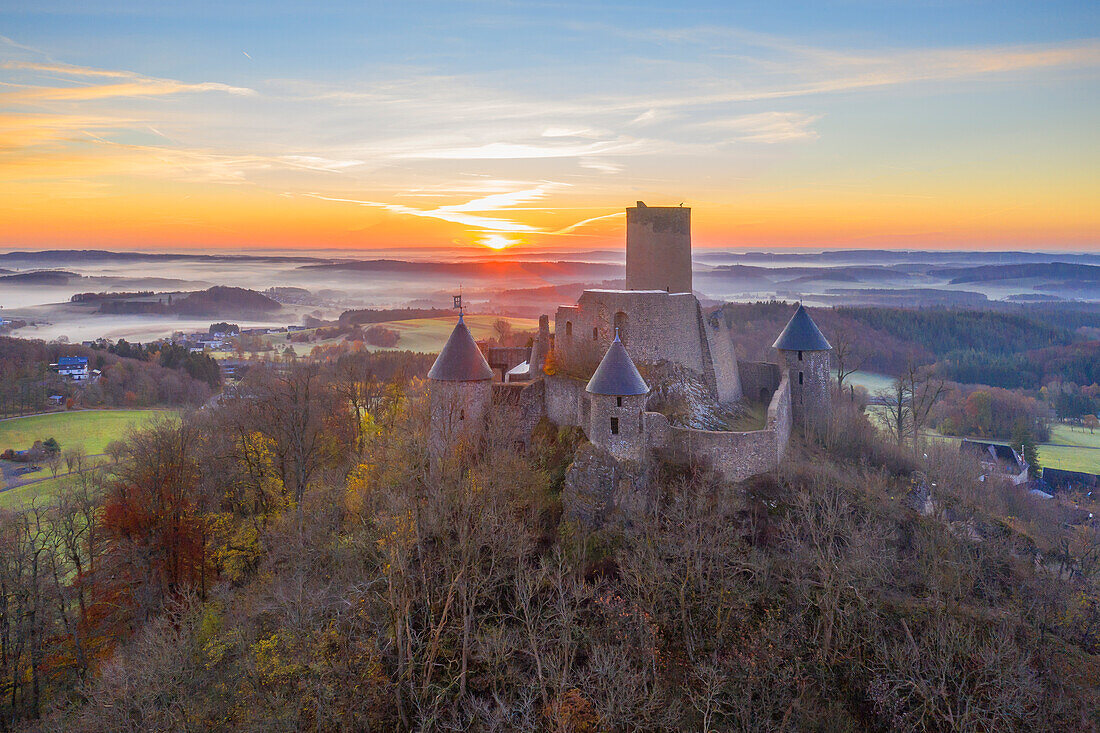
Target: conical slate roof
pixel 801 334
pixel 616 374
pixel 460 360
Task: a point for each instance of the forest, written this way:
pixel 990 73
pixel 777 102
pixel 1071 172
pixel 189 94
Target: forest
pixel 133 375
pixel 1030 348
pixel 292 560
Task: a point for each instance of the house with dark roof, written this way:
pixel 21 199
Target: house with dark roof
pixel 998 459
pixel 72 367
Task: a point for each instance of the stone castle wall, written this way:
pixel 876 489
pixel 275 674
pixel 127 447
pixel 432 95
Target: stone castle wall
pixel 658 248
pixel 522 405
pixel 565 400
pixel 655 327
pixel 727 377
pixel 630 441
pixel 736 455
pixel 780 418
pixel 759 379
pixel 458 413
pixel 651 326
pixel 811 384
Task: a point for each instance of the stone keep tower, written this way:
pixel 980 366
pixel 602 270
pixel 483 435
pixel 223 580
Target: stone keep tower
pixel 804 353
pixel 617 398
pixel 460 390
pixel 658 248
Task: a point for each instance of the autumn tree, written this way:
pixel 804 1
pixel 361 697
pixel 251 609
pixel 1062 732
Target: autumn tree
pixel 155 545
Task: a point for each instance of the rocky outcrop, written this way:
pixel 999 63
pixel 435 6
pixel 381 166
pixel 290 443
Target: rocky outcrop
pixel 599 489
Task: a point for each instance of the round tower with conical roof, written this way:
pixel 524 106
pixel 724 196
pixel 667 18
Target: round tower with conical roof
pixel 461 390
pixel 617 394
pixel 805 353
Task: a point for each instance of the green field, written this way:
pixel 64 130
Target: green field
pixel 40 491
pixel 90 429
pixel 1073 449
pixel 426 335
pixel 868 380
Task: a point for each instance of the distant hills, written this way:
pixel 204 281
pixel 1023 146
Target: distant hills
pixel 985 273
pixel 101 255
pixel 218 301
pixel 39 277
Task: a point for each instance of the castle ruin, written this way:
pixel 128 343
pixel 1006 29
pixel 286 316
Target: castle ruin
pixel 586 374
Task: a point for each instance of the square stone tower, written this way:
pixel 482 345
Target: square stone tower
pixel 658 248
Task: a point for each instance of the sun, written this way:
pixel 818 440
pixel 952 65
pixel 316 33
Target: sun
pixel 497 241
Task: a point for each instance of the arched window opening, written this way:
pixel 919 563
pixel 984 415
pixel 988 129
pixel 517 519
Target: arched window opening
pixel 621 325
pixel 461 414
pixel 568 329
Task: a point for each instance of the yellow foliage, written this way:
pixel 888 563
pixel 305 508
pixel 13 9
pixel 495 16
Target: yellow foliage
pixel 357 489
pixel 271 655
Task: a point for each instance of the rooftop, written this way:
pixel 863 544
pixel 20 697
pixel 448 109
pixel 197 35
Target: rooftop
pixel 616 374
pixel 801 334
pixel 460 360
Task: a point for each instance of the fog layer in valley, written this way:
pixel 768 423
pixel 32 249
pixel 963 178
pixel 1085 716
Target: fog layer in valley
pixel 37 286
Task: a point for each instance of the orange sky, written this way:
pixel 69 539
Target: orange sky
pixel 795 133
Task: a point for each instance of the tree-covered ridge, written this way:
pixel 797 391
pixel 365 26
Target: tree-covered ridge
pixel 942 331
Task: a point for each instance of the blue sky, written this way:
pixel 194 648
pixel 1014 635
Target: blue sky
pixel 836 116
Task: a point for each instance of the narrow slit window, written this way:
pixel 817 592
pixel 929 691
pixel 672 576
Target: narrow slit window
pixel 800 377
pixel 568 328
pixel 596 334
pixel 614 426
pixel 800 356
pixel 618 402
pixel 462 413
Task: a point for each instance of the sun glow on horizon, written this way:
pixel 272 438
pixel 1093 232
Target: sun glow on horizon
pixel 498 241
pixel 840 131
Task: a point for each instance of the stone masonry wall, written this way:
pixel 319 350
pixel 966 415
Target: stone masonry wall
pixel 726 376
pixel 736 455
pixel 780 418
pixel 759 378
pixel 657 326
pixel 658 248
pixel 565 398
pixel 810 384
pixel 458 413
pixel 629 442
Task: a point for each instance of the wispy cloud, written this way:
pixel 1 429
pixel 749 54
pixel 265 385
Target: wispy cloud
pixel 134 84
pixel 766 127
pixel 468 213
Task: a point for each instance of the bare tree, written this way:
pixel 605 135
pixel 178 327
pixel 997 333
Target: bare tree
pixel 848 357
pixel 896 404
pixel 54 462
pixel 503 330
pixel 74 459
pixel 117 450
pixel 925 390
